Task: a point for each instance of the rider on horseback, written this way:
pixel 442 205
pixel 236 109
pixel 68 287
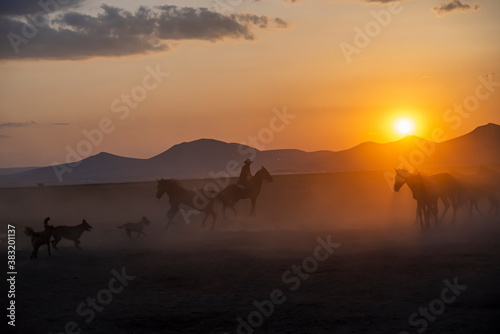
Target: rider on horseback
pixel 245 175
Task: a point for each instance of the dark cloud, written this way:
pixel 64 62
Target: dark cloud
pixel 116 32
pixel 280 23
pixel 16 125
pixel 453 6
pixel 25 7
pixel 176 23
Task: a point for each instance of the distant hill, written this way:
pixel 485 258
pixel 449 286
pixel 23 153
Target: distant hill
pixel 205 158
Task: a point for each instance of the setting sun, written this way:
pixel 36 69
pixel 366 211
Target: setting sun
pixel 404 126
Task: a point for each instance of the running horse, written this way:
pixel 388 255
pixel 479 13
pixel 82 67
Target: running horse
pixel 428 189
pixel 230 195
pixel 179 195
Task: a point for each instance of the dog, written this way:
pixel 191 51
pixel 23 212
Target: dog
pixel 135 227
pixel 70 232
pixel 40 238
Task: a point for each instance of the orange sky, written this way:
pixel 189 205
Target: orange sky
pixel 223 84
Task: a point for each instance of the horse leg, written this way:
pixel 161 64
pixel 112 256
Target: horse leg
pixel 419 216
pixel 214 216
pixel 252 210
pixel 455 206
pixel 234 210
pixel 224 207
pixel 446 202
pixel 204 219
pixel 476 205
pixel 418 213
pixel 426 211
pixel 493 205
pixel 170 215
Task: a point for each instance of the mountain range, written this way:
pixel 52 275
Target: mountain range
pixel 206 158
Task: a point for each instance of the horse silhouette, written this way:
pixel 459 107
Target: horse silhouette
pixel 443 186
pixel 230 195
pixel 426 205
pixel 485 183
pixel 179 195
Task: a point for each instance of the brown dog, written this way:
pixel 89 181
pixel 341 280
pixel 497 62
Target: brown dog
pixel 72 233
pixel 40 238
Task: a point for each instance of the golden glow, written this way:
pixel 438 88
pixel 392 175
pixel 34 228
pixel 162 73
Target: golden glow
pixel 405 126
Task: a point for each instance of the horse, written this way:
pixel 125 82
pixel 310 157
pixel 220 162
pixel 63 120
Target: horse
pixel 179 195
pixel 484 184
pixel 230 195
pixel 426 205
pixel 443 186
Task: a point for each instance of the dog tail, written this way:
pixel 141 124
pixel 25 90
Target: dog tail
pixel 28 230
pixel 46 221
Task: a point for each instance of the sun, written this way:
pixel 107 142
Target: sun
pixel 404 126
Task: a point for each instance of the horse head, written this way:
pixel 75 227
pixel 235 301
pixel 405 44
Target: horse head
pixel 162 187
pixel 265 174
pixel 401 176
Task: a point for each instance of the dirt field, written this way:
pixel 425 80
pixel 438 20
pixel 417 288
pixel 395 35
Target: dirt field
pixel 326 253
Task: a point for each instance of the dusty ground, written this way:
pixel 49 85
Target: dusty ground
pixel 384 272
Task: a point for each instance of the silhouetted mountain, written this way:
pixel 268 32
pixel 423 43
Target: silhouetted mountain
pixel 206 158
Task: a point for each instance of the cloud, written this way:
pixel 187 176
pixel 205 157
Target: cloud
pixel 26 7
pixel 280 23
pixel 176 23
pixel 453 6
pixel 16 125
pixel 382 2
pixel 116 32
